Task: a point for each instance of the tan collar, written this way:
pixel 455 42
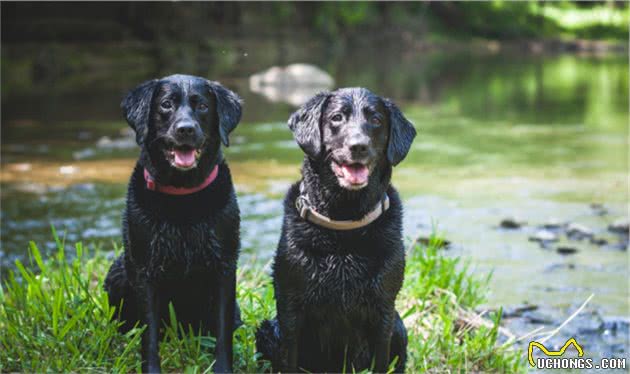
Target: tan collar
pixel 310 214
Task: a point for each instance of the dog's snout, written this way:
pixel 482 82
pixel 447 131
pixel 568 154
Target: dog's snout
pixel 358 148
pixel 358 145
pixel 186 129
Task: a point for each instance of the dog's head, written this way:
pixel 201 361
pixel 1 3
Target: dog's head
pixel 181 119
pixel 355 131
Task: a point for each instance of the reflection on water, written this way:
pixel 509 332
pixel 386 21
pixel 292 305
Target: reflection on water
pixel 499 135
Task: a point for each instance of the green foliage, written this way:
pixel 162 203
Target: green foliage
pixel 338 17
pixel 498 19
pixel 600 21
pixel 531 19
pixel 57 318
pixel 436 303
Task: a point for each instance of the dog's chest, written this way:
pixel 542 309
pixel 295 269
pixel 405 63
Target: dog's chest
pixel 181 248
pixel 340 280
pixel 190 239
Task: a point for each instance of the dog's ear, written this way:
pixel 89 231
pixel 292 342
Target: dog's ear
pixel 304 124
pixel 136 106
pixel 401 134
pixel 228 110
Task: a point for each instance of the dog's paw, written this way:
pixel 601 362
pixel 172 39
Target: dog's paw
pixel 222 367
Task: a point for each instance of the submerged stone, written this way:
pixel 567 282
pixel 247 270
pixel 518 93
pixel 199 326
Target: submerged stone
pixel 599 209
pixel 578 231
pixel 511 223
pixel 426 241
pixel 566 250
pixel 599 241
pixel 620 226
pixel 544 236
pixel 553 224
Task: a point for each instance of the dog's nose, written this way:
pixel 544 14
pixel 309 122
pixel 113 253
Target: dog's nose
pixel 185 129
pixel 358 146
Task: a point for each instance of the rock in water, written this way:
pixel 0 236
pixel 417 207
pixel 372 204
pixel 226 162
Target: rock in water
pixel 440 243
pixel 68 169
pixel 566 250
pixel 515 312
pixel 511 223
pixel 620 226
pixel 599 241
pixel 553 224
pixel 622 245
pixel 293 74
pixel 293 84
pixel 578 232
pixel 544 236
pixel 599 209
pixel 125 142
pixel 613 324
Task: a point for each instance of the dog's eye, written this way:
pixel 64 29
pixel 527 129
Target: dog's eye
pixel 337 118
pixel 166 104
pixel 376 121
pixel 203 107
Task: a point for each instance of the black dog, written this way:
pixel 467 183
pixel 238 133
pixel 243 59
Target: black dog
pixel 340 260
pixel 181 223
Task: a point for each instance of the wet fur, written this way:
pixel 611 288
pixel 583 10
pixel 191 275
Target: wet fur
pixel 335 290
pixel 179 249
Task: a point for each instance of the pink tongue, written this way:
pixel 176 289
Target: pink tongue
pixel 355 174
pixel 184 158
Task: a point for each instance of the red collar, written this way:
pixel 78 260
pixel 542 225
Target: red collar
pixel 171 190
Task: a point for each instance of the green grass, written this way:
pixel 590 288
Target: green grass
pixel 55 316
pixel 436 304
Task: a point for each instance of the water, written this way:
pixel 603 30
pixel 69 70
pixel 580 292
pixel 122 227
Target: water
pixel 500 135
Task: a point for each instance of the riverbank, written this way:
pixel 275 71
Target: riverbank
pixel 57 317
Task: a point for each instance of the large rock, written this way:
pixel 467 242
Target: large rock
pixel 293 84
pixel 294 74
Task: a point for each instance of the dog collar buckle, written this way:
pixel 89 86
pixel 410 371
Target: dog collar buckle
pixel 302 206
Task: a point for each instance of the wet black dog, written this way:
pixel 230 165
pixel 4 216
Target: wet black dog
pixel 181 223
pixel 336 281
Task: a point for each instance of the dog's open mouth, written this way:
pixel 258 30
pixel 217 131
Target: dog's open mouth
pixel 353 176
pixel 184 157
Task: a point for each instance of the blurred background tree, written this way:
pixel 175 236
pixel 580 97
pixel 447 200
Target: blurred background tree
pixel 165 20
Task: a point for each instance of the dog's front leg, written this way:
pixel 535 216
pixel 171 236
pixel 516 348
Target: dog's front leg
pixel 227 231
pixel 225 322
pixel 290 321
pixel 381 337
pixel 150 337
